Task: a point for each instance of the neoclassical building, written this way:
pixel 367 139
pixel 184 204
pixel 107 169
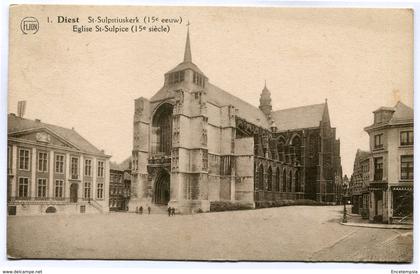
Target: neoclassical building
pixel 194 143
pixel 51 169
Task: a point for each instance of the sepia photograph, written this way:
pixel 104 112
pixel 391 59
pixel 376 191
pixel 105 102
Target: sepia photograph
pixel 193 133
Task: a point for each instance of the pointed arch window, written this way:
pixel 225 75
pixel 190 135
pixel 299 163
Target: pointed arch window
pixel 277 180
pixel 284 181
pixel 289 187
pixel 296 145
pixel 162 130
pixel 280 148
pixel 270 179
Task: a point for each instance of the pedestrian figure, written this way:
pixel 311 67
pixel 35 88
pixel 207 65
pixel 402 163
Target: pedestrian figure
pixel 141 210
pixel 173 211
pixel 169 211
pixel 149 209
pixel 137 209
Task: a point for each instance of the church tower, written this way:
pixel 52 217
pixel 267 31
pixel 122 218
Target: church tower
pixel 265 101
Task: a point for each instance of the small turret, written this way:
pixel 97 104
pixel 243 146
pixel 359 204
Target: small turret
pixel 265 101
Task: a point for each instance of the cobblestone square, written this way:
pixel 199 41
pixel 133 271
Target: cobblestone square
pixel 296 233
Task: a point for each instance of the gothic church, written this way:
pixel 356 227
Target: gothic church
pixel 194 143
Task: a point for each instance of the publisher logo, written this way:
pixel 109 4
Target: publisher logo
pixel 29 25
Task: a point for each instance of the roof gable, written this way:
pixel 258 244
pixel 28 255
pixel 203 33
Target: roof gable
pixel 300 117
pixel 42 136
pixel 18 125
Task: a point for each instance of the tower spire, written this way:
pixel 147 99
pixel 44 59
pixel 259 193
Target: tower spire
pixel 265 100
pixel 187 53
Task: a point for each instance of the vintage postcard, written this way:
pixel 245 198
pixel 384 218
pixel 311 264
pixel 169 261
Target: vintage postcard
pixel 210 133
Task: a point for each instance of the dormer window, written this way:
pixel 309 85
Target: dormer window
pixel 198 79
pixel 176 77
pixel 382 116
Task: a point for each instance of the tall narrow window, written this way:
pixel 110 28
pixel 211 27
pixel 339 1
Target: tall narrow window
pixel 407 167
pixel 162 124
pixel 406 138
pixel 379 166
pixel 74 168
pixel 100 191
pixel 284 181
pixel 296 149
pixel 23 187
pixel 270 179
pixel 42 188
pixel 297 181
pixel 42 161
pixel 278 179
pixel 261 177
pixel 87 194
pixel 290 181
pixel 59 189
pixel 24 159
pixel 59 163
pixel 101 169
pixel 378 141
pixel 9 160
pixel 88 167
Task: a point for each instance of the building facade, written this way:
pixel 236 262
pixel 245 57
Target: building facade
pixel 194 143
pixel 120 186
pixel 52 169
pixel 359 184
pixel 392 164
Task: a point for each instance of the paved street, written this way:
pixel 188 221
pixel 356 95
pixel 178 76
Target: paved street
pixel 299 233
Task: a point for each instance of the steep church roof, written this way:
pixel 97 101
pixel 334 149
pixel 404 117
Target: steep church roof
pixel 246 111
pixel 299 117
pixel 17 124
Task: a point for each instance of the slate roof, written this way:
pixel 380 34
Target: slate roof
pixel 17 124
pixel 402 114
pixel 299 117
pixel 246 111
pixel 186 65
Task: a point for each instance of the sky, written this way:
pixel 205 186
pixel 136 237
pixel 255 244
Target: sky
pixel 360 59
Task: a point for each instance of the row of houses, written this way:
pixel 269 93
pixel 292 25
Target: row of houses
pixel 381 187
pixel 52 169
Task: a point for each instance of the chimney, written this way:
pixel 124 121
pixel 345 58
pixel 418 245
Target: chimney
pixel 21 108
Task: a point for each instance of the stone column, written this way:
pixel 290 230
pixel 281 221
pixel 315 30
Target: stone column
pixel 13 193
pixel 105 204
pixel 33 173
pixel 81 172
pixel 94 175
pixel 51 177
pixel 67 175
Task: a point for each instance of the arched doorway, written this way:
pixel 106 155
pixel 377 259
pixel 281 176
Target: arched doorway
pixel 73 192
pixel 162 129
pixel 162 188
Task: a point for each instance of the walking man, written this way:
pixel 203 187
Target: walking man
pixel 149 209
pixel 169 211
pixel 141 210
pixel 173 211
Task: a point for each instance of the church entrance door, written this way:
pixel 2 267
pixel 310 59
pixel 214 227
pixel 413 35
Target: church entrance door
pixel 73 192
pixel 162 188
